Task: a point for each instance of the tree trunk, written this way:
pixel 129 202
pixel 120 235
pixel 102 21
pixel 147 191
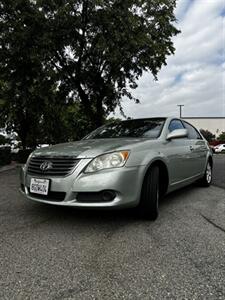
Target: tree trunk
pixel 96 116
pixel 22 133
pixel 23 140
pixel 99 113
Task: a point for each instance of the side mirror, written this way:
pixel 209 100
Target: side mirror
pixel 177 134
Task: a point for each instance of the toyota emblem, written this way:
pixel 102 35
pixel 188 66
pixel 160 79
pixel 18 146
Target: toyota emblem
pixel 46 165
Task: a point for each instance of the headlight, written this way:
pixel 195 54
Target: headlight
pixel 29 157
pixel 108 161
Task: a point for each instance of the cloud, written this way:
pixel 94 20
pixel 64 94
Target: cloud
pixel 194 76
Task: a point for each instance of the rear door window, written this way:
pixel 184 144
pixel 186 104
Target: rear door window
pixel 192 132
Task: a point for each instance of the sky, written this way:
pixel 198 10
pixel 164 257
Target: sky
pixel 195 74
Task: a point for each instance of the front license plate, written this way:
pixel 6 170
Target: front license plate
pixel 39 186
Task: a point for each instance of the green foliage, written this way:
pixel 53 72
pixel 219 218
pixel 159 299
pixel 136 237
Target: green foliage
pixel 4 140
pixel 77 123
pixel 22 156
pixel 69 123
pixel 209 136
pixel 88 54
pixel 26 83
pixel 221 137
pixel 107 46
pixel 5 156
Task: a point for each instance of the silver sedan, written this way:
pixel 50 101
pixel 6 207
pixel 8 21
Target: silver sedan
pixel 130 163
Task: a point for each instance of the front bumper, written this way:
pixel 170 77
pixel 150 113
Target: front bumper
pixel 124 182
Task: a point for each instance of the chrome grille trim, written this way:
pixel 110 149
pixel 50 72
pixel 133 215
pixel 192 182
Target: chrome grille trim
pixel 61 165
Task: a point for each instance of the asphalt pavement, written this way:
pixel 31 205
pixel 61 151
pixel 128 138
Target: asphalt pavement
pixel 48 252
pixel 219 170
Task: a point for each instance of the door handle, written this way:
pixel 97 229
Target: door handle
pixel 191 148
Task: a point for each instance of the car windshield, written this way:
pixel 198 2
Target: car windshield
pixel 146 128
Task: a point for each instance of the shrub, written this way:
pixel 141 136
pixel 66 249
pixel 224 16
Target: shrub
pixel 3 140
pixel 22 155
pixel 5 156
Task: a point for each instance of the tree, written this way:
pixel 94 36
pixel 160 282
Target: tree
pixel 25 81
pixel 100 48
pixel 69 123
pixel 4 140
pixel 55 53
pixel 209 136
pixel 221 137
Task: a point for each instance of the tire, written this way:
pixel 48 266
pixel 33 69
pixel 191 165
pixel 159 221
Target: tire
pixel 207 178
pixel 149 202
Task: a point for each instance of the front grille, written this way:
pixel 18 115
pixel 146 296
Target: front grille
pixel 60 165
pixel 52 196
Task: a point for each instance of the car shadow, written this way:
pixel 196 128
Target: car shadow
pixel 71 214
pixel 175 195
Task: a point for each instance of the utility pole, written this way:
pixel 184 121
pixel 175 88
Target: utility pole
pixel 180 106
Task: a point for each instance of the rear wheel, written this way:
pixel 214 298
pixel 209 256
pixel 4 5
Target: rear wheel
pixel 207 178
pixel 149 204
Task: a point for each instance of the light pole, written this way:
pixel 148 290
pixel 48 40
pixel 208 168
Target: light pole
pixel 180 106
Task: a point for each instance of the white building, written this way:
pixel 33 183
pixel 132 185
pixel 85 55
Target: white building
pixel 216 125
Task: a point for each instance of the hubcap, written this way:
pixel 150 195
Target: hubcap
pixel 208 173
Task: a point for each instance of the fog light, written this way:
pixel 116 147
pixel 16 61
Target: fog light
pixel 108 196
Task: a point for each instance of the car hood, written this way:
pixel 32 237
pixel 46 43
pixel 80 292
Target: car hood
pixel 89 148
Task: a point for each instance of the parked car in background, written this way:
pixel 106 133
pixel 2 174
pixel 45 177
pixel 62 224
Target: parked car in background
pixel 219 148
pixel 130 163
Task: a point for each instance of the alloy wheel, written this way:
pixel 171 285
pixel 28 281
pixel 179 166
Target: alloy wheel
pixel 208 173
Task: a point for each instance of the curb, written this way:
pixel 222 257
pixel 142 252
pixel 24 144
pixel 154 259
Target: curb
pixel 9 167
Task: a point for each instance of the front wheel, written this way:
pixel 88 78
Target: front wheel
pixel 149 203
pixel 207 178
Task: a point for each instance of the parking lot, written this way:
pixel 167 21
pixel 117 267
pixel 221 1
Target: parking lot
pixel 219 170
pixel 58 253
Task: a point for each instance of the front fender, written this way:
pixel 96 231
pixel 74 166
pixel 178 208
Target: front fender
pixel 149 159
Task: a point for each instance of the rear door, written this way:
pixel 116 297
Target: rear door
pixel 199 149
